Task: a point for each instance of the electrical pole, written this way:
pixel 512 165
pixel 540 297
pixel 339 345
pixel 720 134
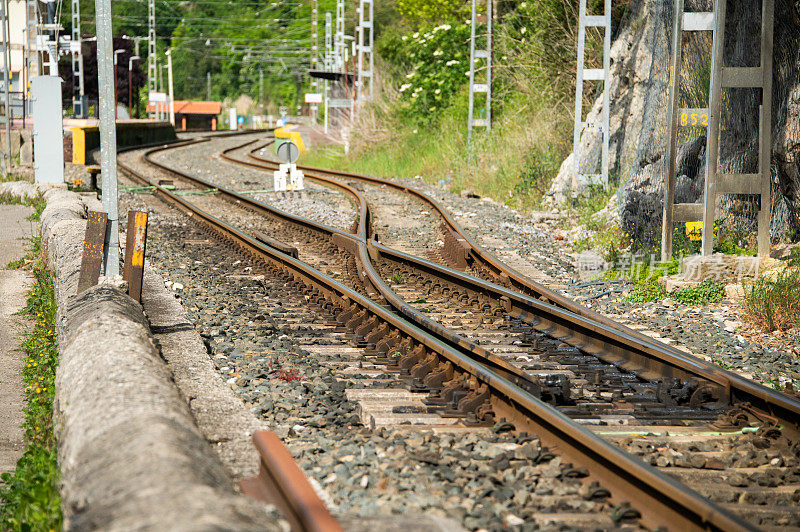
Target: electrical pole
pixel 208 86
pixel 171 94
pixel 152 71
pixel 261 87
pixel 108 134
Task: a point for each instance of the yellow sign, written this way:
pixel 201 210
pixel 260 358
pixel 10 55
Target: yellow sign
pixel 694 119
pixel 694 230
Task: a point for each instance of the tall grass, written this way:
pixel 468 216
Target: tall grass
pixel 774 303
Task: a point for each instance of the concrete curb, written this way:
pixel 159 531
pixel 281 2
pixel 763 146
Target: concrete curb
pixel 131 454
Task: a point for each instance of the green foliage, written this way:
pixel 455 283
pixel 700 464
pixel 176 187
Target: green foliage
pixel 733 246
pixel 436 61
pixel 30 499
pixel 647 293
pixel 774 303
pixel 705 293
pixel 794 258
pixel 533 180
pixel 421 12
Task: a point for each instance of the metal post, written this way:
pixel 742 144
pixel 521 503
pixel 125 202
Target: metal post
pixel 592 74
pixel 672 120
pixel 486 55
pixel 208 86
pixel 171 94
pixel 130 83
pixel 116 95
pixel 108 134
pixel 695 118
pixel 261 87
pixel 5 119
pixel 152 70
pixel 712 146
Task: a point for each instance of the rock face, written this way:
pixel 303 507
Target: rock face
pixel 640 67
pixel 639 91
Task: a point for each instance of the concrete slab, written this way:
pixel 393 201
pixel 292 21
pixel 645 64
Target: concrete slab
pixel 14 284
pixel 15 232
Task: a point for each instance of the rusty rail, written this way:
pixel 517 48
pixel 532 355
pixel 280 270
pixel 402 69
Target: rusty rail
pixel 667 502
pixel 281 482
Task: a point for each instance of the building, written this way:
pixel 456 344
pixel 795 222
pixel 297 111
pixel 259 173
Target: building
pixel 193 116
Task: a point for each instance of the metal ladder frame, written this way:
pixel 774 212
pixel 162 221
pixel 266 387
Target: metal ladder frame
pixel 338 44
pixel 721 78
pixel 365 51
pixel 78 92
pixel 486 54
pixel 593 74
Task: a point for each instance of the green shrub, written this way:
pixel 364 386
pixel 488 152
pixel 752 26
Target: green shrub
pixel 774 304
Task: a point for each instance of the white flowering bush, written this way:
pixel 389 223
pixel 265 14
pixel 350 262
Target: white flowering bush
pixel 434 60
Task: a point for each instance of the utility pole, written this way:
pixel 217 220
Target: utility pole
pixel 78 92
pixel 208 86
pixel 108 134
pixel 261 87
pixel 171 94
pixel 152 70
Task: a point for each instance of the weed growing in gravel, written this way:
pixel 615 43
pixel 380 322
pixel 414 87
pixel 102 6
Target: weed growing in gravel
pixel 37 203
pixel 397 278
pixel 705 293
pixel 30 497
pixel 774 303
pixel 288 375
pixel 647 293
pixel 29 257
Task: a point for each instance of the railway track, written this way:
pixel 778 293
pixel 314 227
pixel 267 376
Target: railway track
pixel 461 375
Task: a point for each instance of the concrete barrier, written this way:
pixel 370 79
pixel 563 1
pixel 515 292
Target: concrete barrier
pixel 130 452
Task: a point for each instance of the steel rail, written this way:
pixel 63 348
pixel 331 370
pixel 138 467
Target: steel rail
pixel 629 349
pixel 281 482
pixel 667 502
